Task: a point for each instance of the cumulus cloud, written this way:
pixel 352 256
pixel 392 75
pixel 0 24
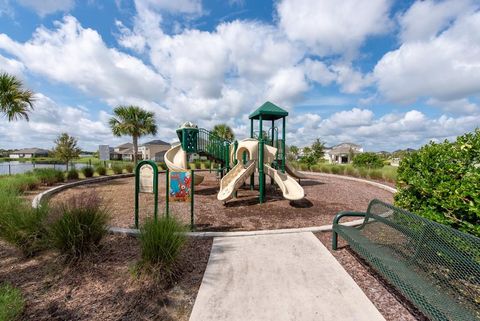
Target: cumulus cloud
pixel 46 7
pixel 329 27
pixel 78 56
pixel 11 66
pixel 445 67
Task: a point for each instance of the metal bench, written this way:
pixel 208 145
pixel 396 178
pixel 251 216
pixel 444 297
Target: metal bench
pixel 435 266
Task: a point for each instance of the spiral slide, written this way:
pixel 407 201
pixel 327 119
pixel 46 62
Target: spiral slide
pixel 176 161
pixel 234 179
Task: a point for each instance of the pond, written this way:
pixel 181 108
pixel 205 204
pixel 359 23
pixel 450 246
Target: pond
pixel 15 167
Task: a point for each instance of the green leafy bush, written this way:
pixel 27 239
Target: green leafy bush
pixel 12 303
pixel 101 170
pixel 117 169
pixel 129 168
pixel 368 160
pixel 441 182
pixel 375 174
pixel 88 171
pixel 161 242
pixel 80 225
pixel 72 174
pixel 336 169
pixel 49 176
pixel 21 225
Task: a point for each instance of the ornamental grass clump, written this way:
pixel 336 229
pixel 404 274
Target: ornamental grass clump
pixel 72 174
pixel 49 176
pixel 117 169
pixel 101 170
pixel 80 224
pixel 12 302
pixel 21 225
pixel 17 184
pixel 88 171
pixel 161 242
pixel 129 168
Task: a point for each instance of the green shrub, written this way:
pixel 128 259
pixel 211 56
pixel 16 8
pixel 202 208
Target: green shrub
pixel 12 303
pixel 101 170
pixel 441 182
pixel 80 225
pixel 88 171
pixel 21 225
pixel 350 171
pixel 49 176
pixel 161 242
pixel 363 172
pixel 315 168
pixel 368 160
pixel 117 169
pixel 336 169
pixel 72 174
pixel 129 168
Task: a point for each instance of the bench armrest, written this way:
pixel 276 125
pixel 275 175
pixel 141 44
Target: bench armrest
pixel 347 214
pixel 336 221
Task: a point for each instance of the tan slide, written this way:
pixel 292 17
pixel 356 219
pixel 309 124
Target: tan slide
pixel 176 161
pixel 293 172
pixel 234 179
pixel 291 190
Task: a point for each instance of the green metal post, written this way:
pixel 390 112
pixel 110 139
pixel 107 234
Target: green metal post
pixel 167 191
pixel 227 155
pixel 235 144
pixel 192 196
pixel 251 128
pixel 261 177
pixel 273 131
pixel 283 144
pixel 252 177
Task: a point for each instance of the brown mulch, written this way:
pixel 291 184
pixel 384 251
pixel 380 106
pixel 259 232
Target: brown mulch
pixel 391 304
pixel 325 196
pixel 103 286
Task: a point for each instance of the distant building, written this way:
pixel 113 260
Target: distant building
pixel 123 152
pixel 154 150
pixel 29 153
pixel 342 153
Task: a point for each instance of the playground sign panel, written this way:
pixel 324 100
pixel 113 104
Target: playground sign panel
pixel 180 186
pixel 146 179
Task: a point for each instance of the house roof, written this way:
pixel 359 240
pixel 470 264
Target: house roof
pixel 268 111
pixel 156 142
pixel 33 150
pixel 344 148
pixel 125 145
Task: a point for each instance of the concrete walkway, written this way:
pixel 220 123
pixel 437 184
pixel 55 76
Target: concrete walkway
pixel 278 277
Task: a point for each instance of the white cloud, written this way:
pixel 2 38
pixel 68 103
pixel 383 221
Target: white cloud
pixel 177 6
pixel 329 27
pixel 445 67
pixel 46 7
pixel 48 120
pixel 425 19
pixel 11 66
pixel 77 56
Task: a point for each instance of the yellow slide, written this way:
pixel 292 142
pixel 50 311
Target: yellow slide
pixel 234 179
pixel 293 172
pixel 176 161
pixel 291 190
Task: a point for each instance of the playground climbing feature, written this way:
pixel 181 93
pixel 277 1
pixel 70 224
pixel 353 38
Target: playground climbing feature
pixel 263 153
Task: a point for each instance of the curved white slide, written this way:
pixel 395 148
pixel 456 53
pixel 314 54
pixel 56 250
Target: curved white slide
pixel 291 190
pixel 176 161
pixel 234 179
pixel 293 172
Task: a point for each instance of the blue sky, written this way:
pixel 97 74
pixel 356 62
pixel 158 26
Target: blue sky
pixel 385 74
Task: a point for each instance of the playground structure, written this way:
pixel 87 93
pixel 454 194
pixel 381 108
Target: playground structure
pixel 264 152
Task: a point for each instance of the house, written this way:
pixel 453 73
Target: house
pixel 123 152
pixel 154 150
pixel 29 153
pixel 342 153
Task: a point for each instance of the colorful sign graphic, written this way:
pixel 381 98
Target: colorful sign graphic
pixel 180 186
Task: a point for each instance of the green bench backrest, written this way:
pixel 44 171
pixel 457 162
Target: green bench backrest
pixel 445 256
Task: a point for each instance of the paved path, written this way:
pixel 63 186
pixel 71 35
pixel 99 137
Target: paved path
pixel 278 277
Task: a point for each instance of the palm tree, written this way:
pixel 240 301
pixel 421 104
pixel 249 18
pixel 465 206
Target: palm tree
pixel 133 121
pixel 15 102
pixel 223 131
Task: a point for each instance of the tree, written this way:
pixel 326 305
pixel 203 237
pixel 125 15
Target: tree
pixel 223 131
pixel 308 156
pixel 15 101
pixel 294 152
pixel 133 121
pixel 66 148
pixel 318 149
pixel 369 160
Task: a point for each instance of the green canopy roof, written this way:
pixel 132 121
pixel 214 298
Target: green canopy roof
pixel 268 111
